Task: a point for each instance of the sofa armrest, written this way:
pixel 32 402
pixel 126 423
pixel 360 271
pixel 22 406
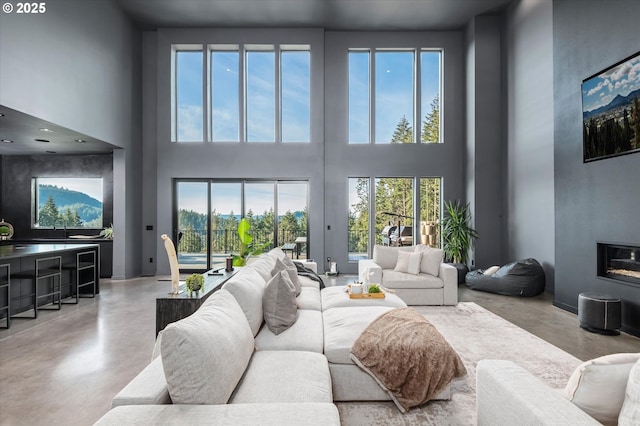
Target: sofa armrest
pixel 508 394
pixel 363 264
pixel 149 387
pixel 449 276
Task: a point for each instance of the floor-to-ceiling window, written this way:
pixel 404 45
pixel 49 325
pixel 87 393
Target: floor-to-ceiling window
pixel 207 213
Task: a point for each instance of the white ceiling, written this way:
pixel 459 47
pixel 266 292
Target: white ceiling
pixel 343 15
pixel 348 15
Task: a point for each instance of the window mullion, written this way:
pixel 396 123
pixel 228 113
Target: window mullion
pixel 417 97
pixel 205 79
pixel 278 95
pixel 242 104
pixel 372 97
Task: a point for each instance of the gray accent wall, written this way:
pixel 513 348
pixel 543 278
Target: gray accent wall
pixel 77 66
pixel 600 200
pixel 484 139
pixel 529 134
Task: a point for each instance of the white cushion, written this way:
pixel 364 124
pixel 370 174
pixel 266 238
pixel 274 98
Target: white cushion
pixel 279 303
pixel 630 412
pixel 247 286
pixel 205 355
pixel 598 386
pixel 408 262
pixel 394 279
pixel 282 265
pixel 263 265
pixel 431 259
pixel 309 298
pixel 387 257
pixel 490 271
pixel 284 376
pixel 277 252
pixel 304 335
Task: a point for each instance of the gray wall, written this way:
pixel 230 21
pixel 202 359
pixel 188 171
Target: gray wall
pixel 77 66
pixel 597 201
pixel 529 124
pixel 484 135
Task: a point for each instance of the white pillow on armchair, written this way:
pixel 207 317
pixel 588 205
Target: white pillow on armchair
pixel 431 259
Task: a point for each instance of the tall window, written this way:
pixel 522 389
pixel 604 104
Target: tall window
pixel 258 93
pixel 430 190
pixel 358 225
pixel 191 238
pixel 188 96
pixel 386 82
pixel 225 104
pixel 394 211
pixel 67 202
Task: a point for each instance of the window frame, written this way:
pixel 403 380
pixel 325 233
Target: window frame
pixel 417 92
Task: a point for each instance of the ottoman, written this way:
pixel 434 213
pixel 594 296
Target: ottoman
pixel 599 313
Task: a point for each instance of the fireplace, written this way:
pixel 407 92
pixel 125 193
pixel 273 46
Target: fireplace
pixel 619 262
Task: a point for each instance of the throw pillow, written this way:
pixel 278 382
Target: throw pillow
pixel 431 259
pixel 205 354
pixel 587 384
pixel 291 270
pixel 490 271
pixel 408 262
pixel 279 303
pixel 630 412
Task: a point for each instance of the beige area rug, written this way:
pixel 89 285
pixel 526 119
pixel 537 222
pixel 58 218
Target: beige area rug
pixel 475 334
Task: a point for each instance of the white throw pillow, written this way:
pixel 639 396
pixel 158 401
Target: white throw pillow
pixel 408 262
pixel 598 386
pixel 279 303
pixel 205 354
pixel 630 412
pixel 281 265
pixel 431 259
pixel 385 257
pixel 490 271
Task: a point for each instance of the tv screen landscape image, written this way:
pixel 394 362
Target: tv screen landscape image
pixel 611 111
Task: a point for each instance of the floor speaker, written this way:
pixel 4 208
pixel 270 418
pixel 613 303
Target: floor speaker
pixel 599 313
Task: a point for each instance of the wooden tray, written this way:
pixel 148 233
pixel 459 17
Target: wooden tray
pixel 367 296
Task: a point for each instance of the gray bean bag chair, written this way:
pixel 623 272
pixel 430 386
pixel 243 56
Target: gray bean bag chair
pixel 522 278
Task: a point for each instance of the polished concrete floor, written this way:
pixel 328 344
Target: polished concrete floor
pixel 65 366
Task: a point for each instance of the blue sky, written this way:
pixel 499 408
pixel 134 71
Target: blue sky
pixel 226 197
pixel 622 80
pixel 260 93
pixel 90 186
pixel 394 84
pixel 394 91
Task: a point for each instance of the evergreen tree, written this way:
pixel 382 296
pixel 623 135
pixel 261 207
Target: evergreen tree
pixel 635 123
pixel 403 132
pixel 431 125
pixel 48 214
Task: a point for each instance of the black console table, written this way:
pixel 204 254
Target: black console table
pixel 174 307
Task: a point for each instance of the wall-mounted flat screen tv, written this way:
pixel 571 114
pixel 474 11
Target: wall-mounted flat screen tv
pixel 611 111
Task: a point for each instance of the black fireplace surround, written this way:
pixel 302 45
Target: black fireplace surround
pixel 619 262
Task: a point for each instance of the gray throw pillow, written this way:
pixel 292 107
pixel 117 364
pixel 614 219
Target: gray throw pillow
pixel 281 265
pixel 279 303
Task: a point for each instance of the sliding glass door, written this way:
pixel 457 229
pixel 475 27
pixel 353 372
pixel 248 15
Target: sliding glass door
pixel 207 213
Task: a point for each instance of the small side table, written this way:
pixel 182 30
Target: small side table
pixel 599 313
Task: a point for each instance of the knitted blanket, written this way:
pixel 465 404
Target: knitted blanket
pixel 407 356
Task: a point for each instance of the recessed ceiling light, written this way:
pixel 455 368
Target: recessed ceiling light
pixel 6 141
pixel 80 140
pixel 50 152
pixel 1 114
pixel 44 129
pixel 42 140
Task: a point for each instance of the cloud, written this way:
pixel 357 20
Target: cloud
pixel 601 85
pixel 618 72
pixel 189 123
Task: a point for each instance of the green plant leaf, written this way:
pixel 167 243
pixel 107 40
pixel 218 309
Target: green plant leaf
pixel 243 231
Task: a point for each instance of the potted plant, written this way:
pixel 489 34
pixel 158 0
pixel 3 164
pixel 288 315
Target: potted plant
pixel 247 247
pixel 107 233
pixel 194 282
pixel 458 235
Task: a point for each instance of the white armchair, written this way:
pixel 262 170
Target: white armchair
pixel 435 284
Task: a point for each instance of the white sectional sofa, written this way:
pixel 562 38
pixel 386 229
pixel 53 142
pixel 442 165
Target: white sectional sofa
pixel 307 365
pixel 431 283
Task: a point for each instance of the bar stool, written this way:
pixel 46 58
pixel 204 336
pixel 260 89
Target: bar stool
pixel 85 261
pixel 47 268
pixel 5 284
